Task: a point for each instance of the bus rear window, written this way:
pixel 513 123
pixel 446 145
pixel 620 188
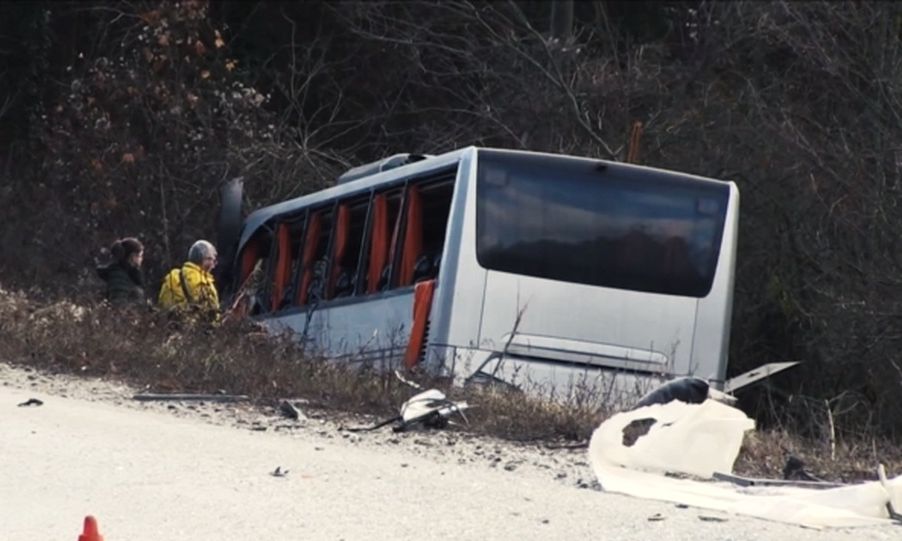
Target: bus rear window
pixel 577 221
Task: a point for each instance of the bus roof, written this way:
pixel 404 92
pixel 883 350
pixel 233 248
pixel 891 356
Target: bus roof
pixel 259 217
pixel 256 219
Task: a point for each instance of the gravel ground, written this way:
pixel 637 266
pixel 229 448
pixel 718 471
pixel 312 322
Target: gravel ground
pixel 204 471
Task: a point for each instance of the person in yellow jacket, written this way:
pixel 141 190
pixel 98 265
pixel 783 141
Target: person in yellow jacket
pixel 192 286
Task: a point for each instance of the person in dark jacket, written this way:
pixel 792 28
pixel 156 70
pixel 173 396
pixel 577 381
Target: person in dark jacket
pixel 123 277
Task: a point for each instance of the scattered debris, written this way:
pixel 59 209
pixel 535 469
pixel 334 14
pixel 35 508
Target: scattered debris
pixel 408 382
pixel 287 409
pixel 794 470
pixel 753 482
pixel 279 472
pixel 743 380
pixel 656 517
pixel 567 446
pixel 147 397
pixel 688 390
pixel 591 485
pixel 694 439
pixel 374 427
pixel 429 408
pixel 31 402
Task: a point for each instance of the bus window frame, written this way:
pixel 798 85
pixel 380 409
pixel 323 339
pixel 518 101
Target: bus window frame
pixel 289 287
pixel 266 290
pixel 332 211
pixel 448 174
pixel 296 280
pixel 351 202
pixel 397 247
pixel 362 259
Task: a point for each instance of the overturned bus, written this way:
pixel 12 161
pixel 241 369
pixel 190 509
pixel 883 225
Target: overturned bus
pixel 501 266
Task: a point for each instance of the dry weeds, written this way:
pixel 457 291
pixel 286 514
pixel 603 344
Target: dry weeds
pixel 149 349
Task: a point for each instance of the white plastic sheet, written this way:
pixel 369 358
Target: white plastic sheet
pixel 701 439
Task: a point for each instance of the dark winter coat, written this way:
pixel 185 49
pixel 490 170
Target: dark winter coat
pixel 124 283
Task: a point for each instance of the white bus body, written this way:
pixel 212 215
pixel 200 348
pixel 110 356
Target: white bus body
pixel 541 268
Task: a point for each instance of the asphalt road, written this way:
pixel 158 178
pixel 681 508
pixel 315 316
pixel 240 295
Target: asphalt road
pixel 149 475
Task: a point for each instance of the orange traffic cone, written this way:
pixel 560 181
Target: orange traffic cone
pixel 90 533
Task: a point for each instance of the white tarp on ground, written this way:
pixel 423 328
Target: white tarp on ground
pixel 700 439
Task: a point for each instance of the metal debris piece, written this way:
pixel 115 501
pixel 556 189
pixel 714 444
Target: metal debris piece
pixel 754 482
pixel 374 427
pixel 279 472
pixel 408 382
pixel 795 470
pixel 568 446
pixel 147 397
pixel 287 409
pixel 430 408
pixel 743 380
pixel 690 390
pixel 31 402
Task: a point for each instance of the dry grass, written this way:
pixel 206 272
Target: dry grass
pixel 146 348
pixel 151 349
pixel 764 455
pixel 514 416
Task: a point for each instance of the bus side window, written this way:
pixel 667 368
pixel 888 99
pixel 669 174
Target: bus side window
pixel 308 253
pixel 436 211
pixel 281 266
pixel 254 260
pixel 428 208
pixel 349 229
pixel 315 257
pixel 384 232
pixel 250 255
pixel 379 242
pixel 286 252
pixel 413 236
